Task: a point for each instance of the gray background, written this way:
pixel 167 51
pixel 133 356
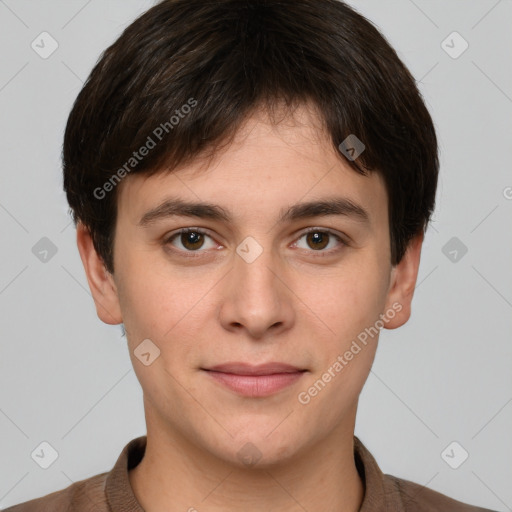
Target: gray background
pixel 66 378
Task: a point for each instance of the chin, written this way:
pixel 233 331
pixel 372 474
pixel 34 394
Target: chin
pixel 261 449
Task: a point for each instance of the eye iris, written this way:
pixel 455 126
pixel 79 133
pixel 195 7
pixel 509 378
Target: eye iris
pixel 190 240
pixel 320 240
pixel 195 240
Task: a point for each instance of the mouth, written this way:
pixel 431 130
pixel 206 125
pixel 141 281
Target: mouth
pixel 255 381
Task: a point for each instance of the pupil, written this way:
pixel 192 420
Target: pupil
pixel 191 239
pixel 318 239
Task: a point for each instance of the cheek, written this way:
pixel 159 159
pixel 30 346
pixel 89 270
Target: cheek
pixel 348 301
pixel 148 297
pixel 169 309
pixel 349 304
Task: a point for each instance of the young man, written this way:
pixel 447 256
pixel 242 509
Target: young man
pixel 251 182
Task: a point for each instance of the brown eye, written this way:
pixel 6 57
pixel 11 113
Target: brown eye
pixel 317 240
pixel 321 241
pixel 192 240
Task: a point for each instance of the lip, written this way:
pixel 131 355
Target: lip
pixel 255 380
pixel 249 369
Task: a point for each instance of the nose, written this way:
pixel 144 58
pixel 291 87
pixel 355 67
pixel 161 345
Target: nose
pixel 256 298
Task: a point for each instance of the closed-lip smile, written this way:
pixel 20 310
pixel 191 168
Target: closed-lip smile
pixel 255 380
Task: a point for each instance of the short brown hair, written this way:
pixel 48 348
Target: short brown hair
pixel 225 58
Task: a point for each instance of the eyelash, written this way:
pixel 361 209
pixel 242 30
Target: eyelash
pixel 320 253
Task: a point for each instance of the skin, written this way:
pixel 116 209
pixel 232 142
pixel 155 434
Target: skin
pixel 289 305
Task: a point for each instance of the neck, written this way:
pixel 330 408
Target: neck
pixel 176 475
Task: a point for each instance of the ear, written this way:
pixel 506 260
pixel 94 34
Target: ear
pixel 101 282
pixel 402 284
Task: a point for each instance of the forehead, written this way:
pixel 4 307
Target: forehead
pixel 264 168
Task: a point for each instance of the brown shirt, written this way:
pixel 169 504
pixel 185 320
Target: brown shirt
pixel 111 491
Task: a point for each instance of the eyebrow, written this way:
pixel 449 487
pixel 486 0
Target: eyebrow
pixel 321 208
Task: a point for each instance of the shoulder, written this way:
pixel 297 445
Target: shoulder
pixel 84 496
pixel 419 498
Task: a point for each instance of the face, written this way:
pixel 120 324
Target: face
pixel 263 281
